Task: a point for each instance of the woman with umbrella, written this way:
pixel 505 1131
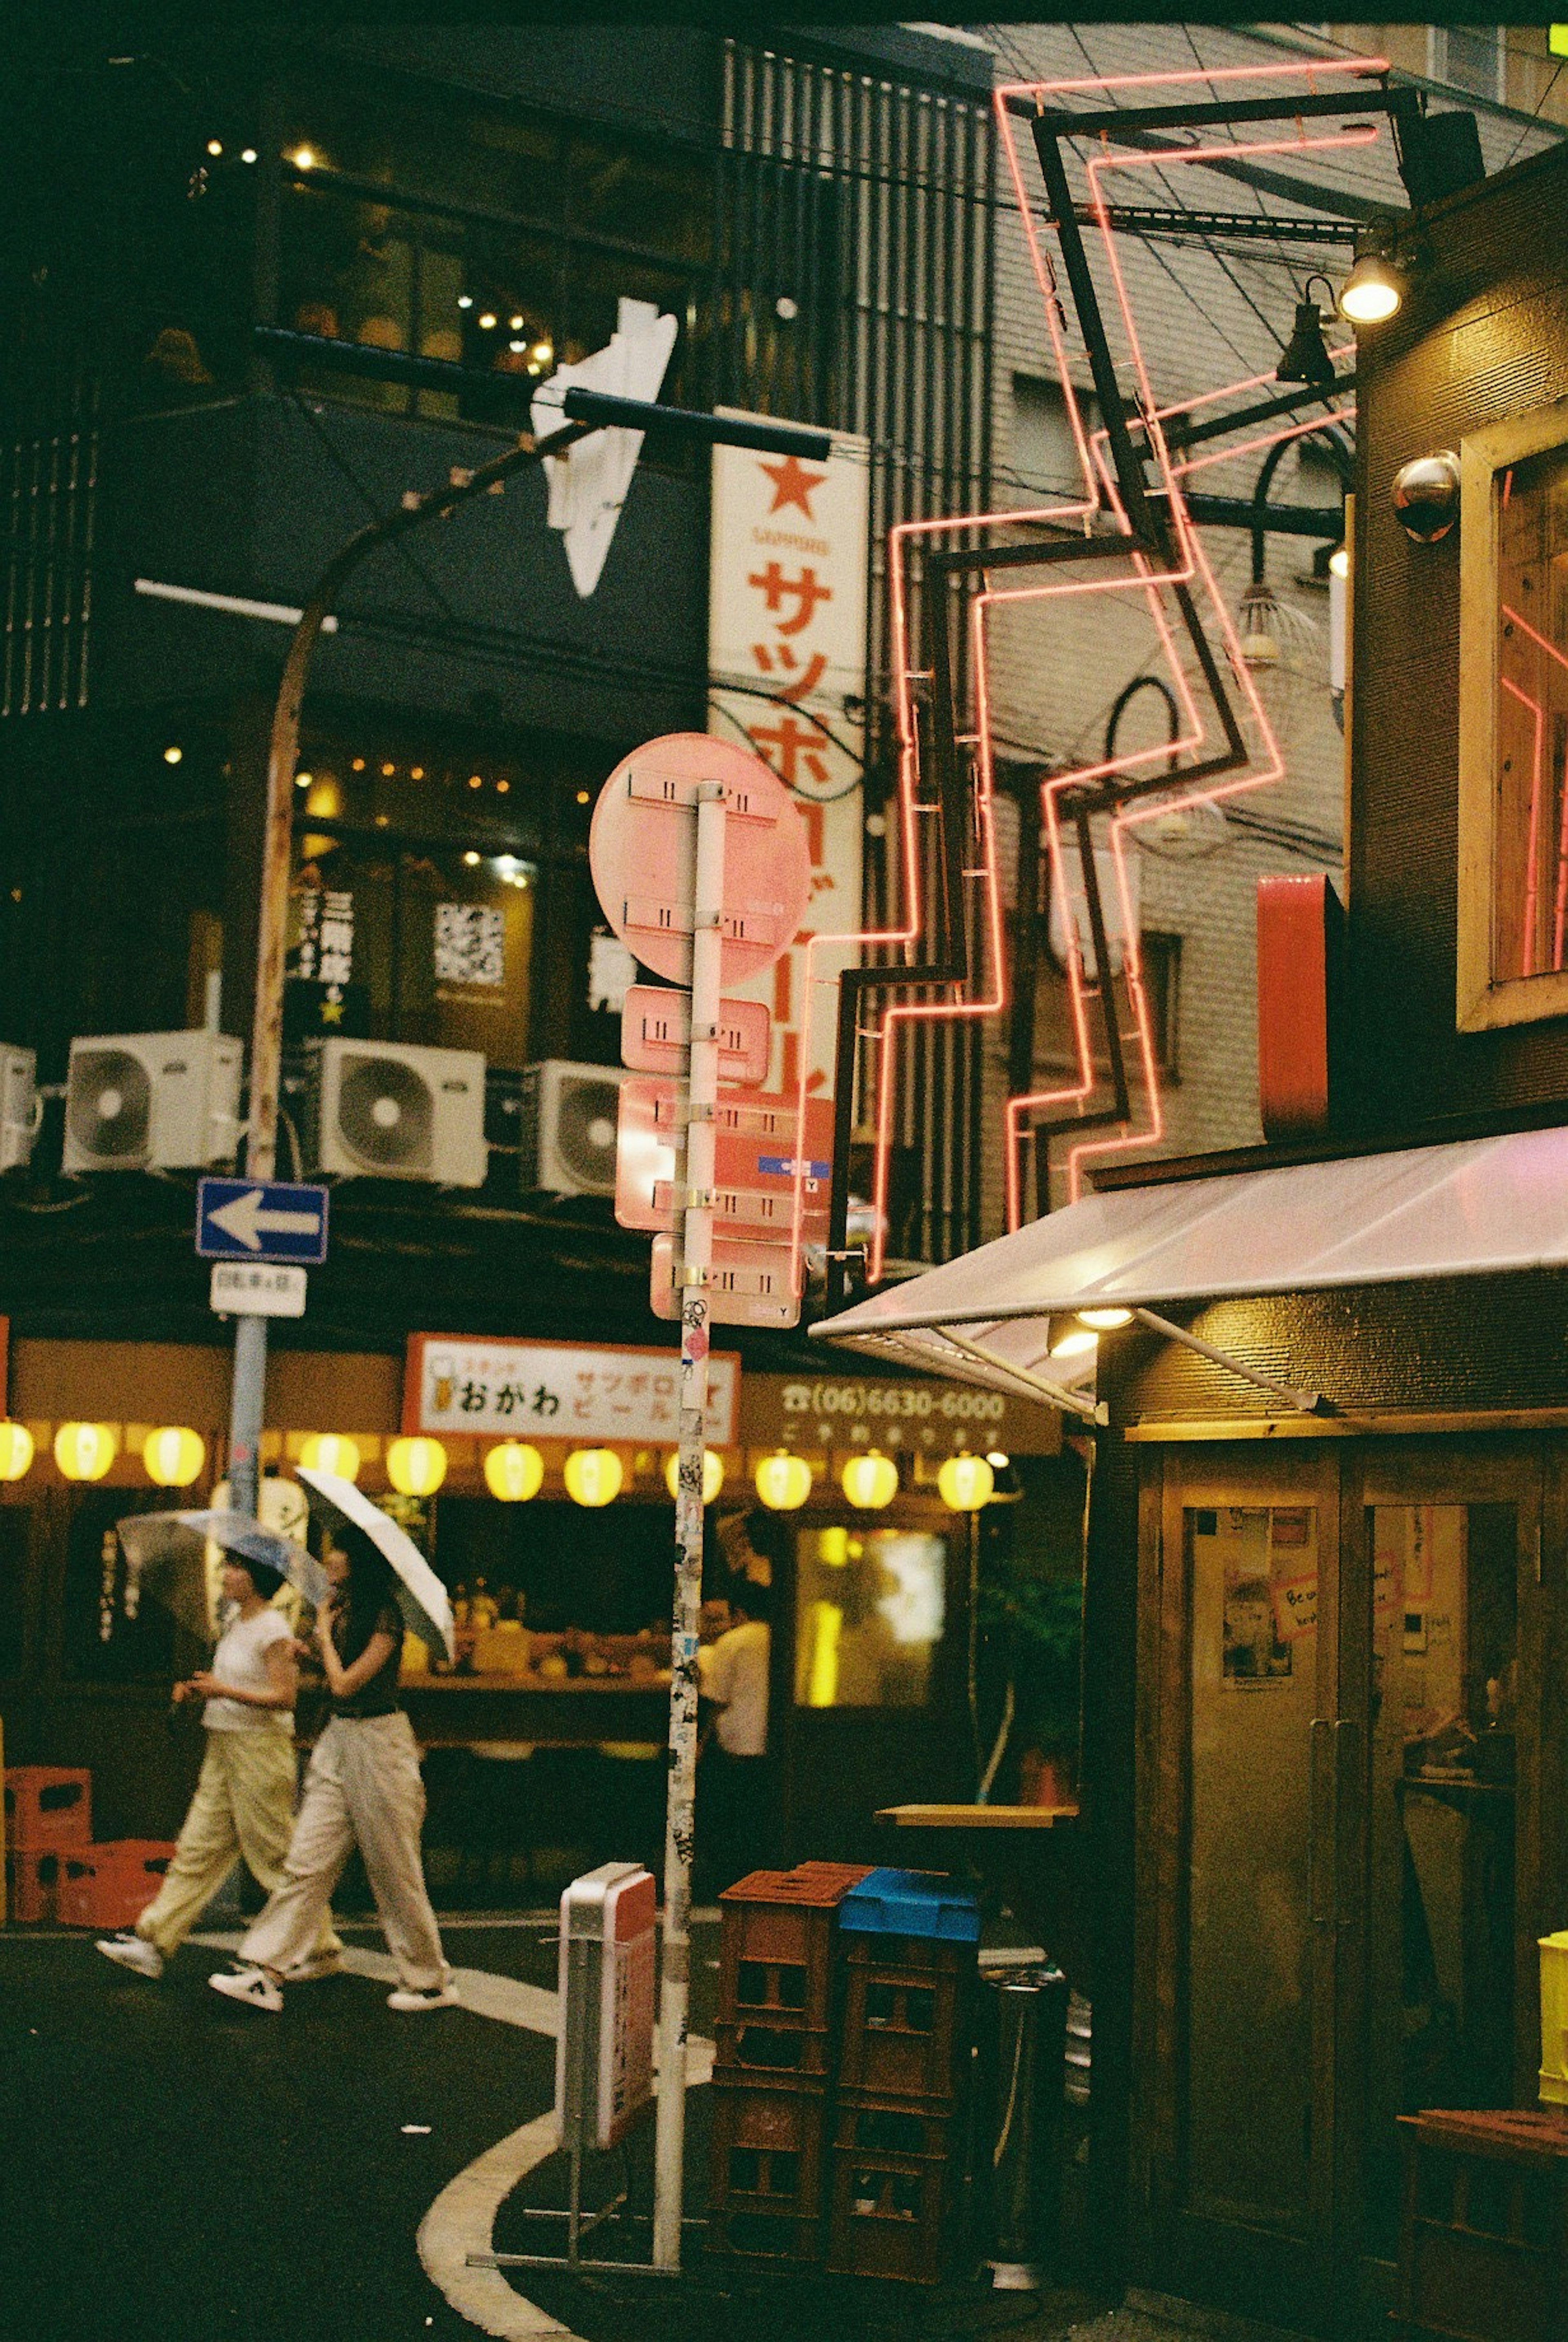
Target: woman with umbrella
pixel 245 1799
pixel 363 1785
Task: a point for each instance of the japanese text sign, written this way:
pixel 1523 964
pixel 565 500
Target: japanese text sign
pixel 558 1390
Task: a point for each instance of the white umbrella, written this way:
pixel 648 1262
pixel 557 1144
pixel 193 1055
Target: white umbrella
pixel 421 1596
pixel 166 1556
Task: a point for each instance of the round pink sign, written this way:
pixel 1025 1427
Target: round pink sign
pixel 643 843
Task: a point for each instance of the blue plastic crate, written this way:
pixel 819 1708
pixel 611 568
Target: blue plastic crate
pixel 911 1903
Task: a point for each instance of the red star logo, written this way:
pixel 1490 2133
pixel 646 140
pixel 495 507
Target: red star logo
pixel 793 485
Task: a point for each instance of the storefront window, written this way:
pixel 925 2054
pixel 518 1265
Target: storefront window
pixel 871 1607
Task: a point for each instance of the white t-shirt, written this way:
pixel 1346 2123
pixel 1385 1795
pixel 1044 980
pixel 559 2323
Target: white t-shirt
pixel 241 1659
pixel 734 1674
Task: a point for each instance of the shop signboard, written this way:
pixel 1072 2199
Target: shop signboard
pixel 922 1414
pixel 579 1391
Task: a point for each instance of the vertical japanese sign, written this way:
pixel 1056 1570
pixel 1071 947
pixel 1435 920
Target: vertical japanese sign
pixel 787 671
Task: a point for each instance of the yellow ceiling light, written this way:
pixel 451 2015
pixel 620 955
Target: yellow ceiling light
pixel 304 158
pixel 593 1476
pixel 1105 1321
pixel 1075 1343
pixel 416 1467
pixel 16 1451
pixel 1339 561
pixel 871 1480
pixel 783 1482
pixel 712 1473
pixel 84 1451
pixel 1372 292
pixel 174 1456
pixel 331 1452
pixel 513 1471
pixel 965 1483
pixel 997 1461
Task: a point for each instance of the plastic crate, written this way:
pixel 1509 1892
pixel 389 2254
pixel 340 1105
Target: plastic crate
pixel 770 2052
pixel 110 1884
pixel 918 1903
pixel 1483 2227
pixel 48 1805
pixel 768 2151
pixel 33 1884
pixel 889 2217
pixel 776 1950
pixel 906 2030
pixel 1554 2020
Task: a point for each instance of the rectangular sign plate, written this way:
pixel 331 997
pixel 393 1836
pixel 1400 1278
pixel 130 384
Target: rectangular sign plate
pixel 748 1284
pixel 754 1161
pixel 261 1289
pixel 655 1026
pixel 261 1219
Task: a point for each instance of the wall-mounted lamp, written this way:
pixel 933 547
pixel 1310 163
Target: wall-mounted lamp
pixel 1306 357
pixel 1372 292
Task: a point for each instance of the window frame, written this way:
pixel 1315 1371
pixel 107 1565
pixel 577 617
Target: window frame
pixel 1483 1001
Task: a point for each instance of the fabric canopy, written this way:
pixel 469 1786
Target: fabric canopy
pixel 1470 1208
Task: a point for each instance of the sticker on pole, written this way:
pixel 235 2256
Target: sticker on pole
pixel 642 851
pixel 261 1219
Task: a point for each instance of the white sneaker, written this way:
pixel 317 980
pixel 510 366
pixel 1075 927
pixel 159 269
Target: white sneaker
pixel 407 2003
pixel 128 1950
pixel 314 1966
pixel 251 1985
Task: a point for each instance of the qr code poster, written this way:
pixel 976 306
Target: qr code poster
pixel 470 944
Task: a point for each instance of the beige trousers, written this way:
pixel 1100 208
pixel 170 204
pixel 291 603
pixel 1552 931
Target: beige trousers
pixel 362 1785
pixel 243 1808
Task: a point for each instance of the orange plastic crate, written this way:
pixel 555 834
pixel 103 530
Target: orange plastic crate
pixel 31 1884
pixel 111 1885
pixel 48 1805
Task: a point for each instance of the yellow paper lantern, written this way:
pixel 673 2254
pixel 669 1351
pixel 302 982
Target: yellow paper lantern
pixel 712 1473
pixel 871 1480
pixel 593 1476
pixel 84 1451
pixel 416 1467
pixel 331 1452
pixel 784 1482
pixel 174 1456
pixel 15 1450
pixel 513 1471
pixel 965 1483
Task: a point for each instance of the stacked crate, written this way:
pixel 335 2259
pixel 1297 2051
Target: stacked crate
pixel 909 1944
pixel 772 2075
pixel 48 1815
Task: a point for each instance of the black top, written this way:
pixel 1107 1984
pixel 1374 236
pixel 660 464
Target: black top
pixel 350 1635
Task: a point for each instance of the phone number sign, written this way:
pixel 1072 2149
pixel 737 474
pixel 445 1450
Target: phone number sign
pixel 840 1408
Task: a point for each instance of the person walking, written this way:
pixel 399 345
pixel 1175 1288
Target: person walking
pixel 362 1787
pixel 734 1821
pixel 243 1808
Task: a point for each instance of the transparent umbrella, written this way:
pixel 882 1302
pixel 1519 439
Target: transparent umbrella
pixel 421 1596
pixel 166 1557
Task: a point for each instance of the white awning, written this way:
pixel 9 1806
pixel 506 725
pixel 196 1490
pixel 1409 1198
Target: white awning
pixel 1470 1208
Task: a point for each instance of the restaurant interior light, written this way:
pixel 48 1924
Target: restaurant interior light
pixel 84 1451
pixel 783 1482
pixel 870 1481
pixel 997 1461
pixel 1105 1321
pixel 1374 291
pixel 249 155
pixel 712 1473
pixel 174 1456
pixel 965 1483
pixel 1339 561
pixel 513 1471
pixel 332 1452
pixel 214 147
pixel 416 1467
pixel 16 1451
pixel 304 158
pixel 171 754
pixel 593 1476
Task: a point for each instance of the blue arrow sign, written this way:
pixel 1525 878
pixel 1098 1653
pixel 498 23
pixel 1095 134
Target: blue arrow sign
pixel 260 1219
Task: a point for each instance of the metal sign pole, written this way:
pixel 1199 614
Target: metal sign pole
pixel 693 1260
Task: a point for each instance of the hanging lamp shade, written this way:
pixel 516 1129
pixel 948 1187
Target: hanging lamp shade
pixel 513 1471
pixel 783 1482
pixel 16 1451
pixel 1306 357
pixel 416 1467
pixel 712 1473
pixel 965 1483
pixel 593 1476
pixel 84 1451
pixel 331 1452
pixel 174 1456
pixel 871 1480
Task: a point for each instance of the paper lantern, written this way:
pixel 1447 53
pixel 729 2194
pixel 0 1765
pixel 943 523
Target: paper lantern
pixel 174 1456
pixel 784 1482
pixel 965 1483
pixel 593 1476
pixel 84 1451
pixel 416 1467
pixel 513 1471
pixel 15 1450
pixel 712 1473
pixel 331 1452
pixel 871 1480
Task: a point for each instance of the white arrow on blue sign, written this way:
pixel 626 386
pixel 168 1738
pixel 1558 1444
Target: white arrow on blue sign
pixel 261 1219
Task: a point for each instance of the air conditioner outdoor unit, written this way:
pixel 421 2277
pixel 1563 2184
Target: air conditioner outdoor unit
pixel 18 1105
pixel 386 1110
pixel 152 1101
pixel 569 1118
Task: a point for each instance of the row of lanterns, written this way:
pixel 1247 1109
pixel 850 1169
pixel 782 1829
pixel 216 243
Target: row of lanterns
pixel 173 1457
